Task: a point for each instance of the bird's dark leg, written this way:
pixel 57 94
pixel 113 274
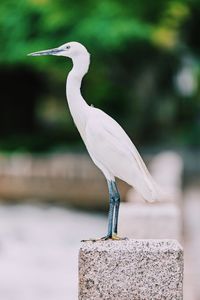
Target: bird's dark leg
pixel 116 212
pixel 110 217
pixel 117 204
pixel 113 212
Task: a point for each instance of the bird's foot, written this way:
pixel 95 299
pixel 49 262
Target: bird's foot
pixel 113 237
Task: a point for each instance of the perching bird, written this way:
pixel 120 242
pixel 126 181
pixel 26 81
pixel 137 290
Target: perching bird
pixel 109 146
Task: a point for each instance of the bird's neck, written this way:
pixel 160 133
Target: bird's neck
pixel 77 105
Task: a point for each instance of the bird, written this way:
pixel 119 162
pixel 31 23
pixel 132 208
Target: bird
pixel 108 145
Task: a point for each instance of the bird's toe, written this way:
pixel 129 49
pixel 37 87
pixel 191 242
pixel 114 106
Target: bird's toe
pixel 115 237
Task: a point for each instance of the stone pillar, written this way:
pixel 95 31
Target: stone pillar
pixel 131 270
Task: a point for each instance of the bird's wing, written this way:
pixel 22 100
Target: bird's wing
pixel 109 145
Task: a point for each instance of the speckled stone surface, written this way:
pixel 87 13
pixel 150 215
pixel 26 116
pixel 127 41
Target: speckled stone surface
pixel 150 221
pixel 131 270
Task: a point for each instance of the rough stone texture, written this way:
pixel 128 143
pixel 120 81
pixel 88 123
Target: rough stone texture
pixel 131 270
pixel 150 221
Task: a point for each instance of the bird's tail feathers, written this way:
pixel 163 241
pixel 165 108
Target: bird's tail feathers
pixel 157 194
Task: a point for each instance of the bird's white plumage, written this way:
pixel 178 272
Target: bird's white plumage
pixel 113 152
pixel 107 143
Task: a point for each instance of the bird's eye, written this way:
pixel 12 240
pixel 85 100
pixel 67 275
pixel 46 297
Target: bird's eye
pixel 68 47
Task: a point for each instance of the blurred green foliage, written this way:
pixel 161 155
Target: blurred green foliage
pixel 144 71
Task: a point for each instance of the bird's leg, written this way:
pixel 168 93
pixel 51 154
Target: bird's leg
pixel 113 212
pixel 116 212
pixel 117 204
pixel 110 213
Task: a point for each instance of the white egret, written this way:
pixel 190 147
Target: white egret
pixel 110 148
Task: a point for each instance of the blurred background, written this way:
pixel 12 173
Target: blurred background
pixel 144 72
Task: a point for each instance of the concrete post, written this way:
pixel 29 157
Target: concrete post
pixel 131 270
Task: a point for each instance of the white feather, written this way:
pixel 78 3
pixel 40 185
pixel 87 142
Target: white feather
pixel 113 152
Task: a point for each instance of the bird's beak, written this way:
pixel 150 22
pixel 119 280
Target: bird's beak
pixel 54 51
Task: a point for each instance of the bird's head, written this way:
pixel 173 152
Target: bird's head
pixel 71 50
